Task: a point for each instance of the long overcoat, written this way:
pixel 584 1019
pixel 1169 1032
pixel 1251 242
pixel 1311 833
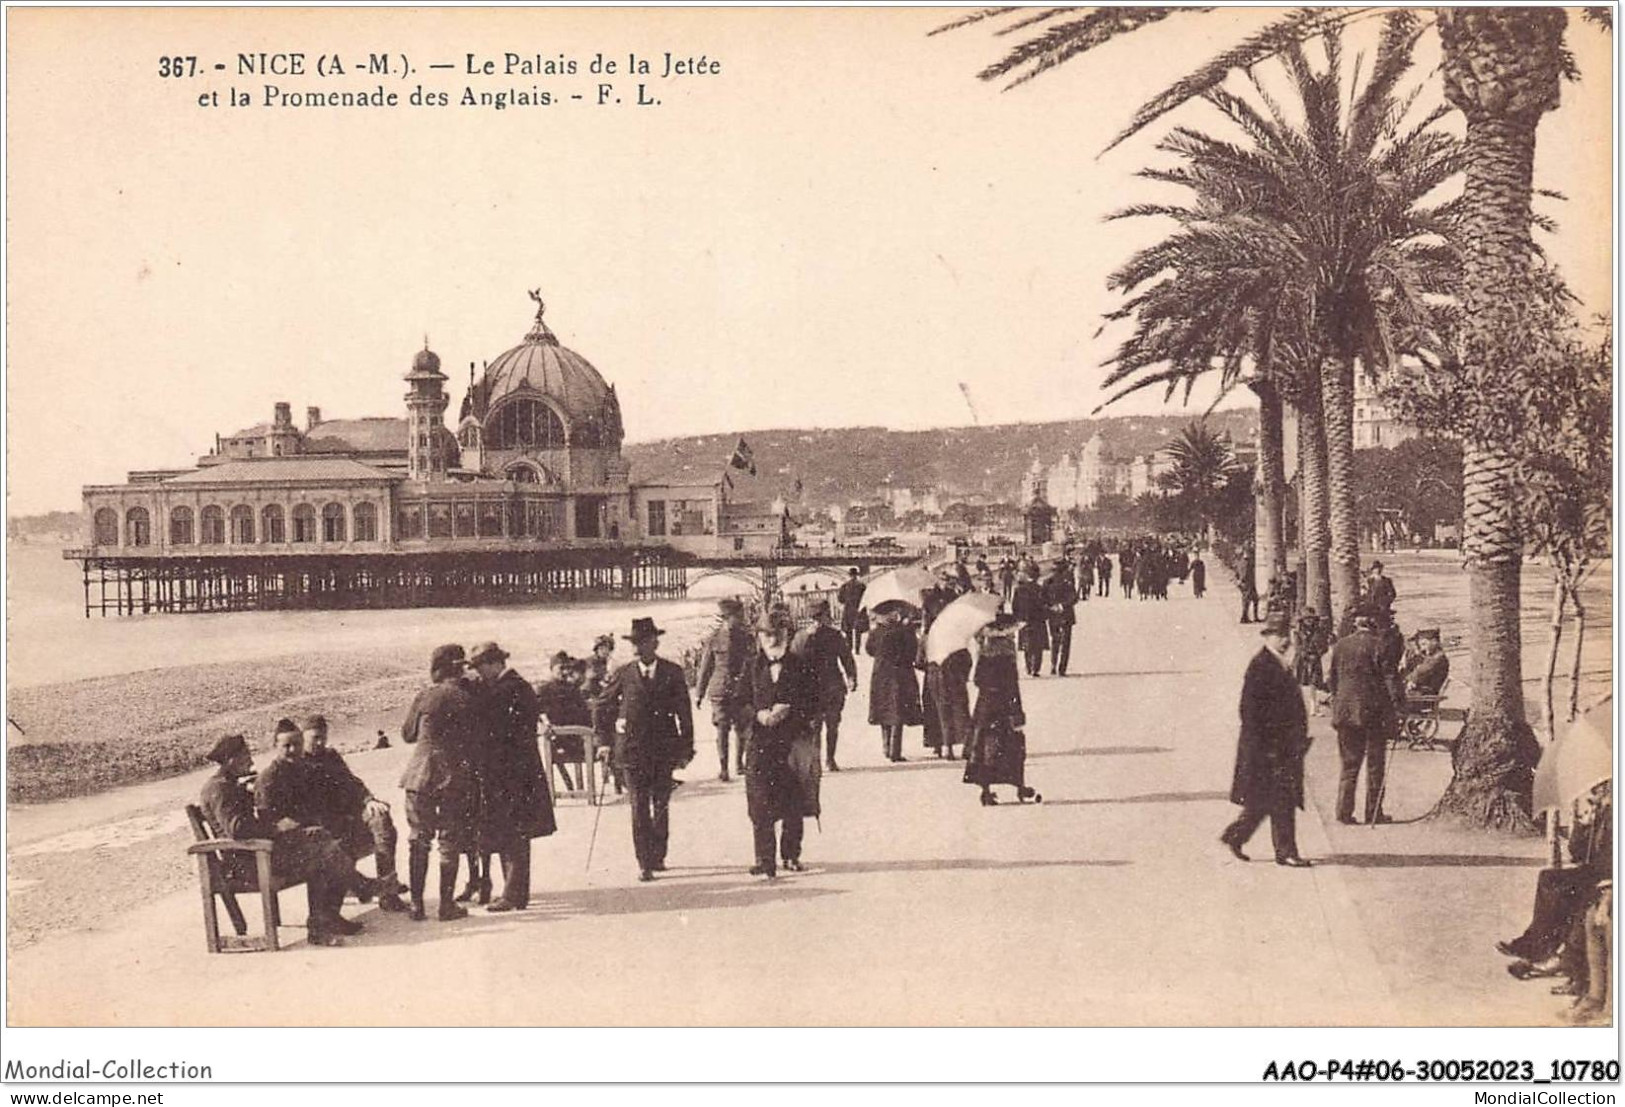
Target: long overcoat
pixel 1027 604
pixel 782 772
pixel 894 690
pixel 654 724
pixel 1274 737
pixel 1364 682
pixel 514 798
pixel 950 694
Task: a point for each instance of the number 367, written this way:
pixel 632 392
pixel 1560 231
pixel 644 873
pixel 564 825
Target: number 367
pixel 177 66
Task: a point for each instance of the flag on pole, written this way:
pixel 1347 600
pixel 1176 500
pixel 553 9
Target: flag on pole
pixel 742 458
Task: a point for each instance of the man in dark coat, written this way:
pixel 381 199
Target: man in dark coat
pixel 1380 592
pixel 781 769
pixel 1029 608
pixel 1365 691
pixel 1103 573
pixel 829 657
pixel 439 781
pixel 1425 674
pixel 654 736
pixel 1198 576
pixel 1060 601
pixel 298 852
pixel 515 805
pixel 723 667
pixel 346 807
pixel 1268 781
pixel 850 597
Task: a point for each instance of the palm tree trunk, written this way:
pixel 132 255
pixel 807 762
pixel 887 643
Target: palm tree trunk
pixel 1312 523
pixel 1270 539
pixel 1503 69
pixel 1337 394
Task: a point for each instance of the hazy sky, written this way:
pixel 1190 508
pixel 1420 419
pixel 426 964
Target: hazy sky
pixel 837 229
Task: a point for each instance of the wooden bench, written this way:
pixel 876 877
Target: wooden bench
pixel 216 879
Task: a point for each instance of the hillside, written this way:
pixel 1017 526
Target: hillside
pixel 851 463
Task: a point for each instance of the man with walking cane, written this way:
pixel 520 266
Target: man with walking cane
pixel 654 736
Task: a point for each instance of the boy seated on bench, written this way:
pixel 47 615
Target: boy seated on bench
pixel 298 852
pixel 355 817
pixel 560 701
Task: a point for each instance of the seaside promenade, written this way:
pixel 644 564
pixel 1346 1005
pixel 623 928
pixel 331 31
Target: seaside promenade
pixel 1109 904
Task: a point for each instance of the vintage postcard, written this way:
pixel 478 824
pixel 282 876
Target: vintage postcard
pixel 832 517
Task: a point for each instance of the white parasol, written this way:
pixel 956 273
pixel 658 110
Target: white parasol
pixel 957 624
pixel 1578 761
pixel 905 585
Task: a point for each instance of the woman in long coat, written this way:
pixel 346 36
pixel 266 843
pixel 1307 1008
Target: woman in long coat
pixel 515 805
pixel 950 688
pixel 996 752
pixel 894 691
pixel 934 601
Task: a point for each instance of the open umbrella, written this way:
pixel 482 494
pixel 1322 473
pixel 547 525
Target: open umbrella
pixel 958 623
pixel 1578 761
pixel 904 585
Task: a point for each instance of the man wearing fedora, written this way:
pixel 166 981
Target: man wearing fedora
pixel 1364 683
pixel 515 805
pixel 298 852
pixel 439 781
pixel 724 665
pixel 1061 601
pixel 654 735
pixel 834 670
pixel 1268 780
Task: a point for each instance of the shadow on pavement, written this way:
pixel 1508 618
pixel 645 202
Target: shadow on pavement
pixel 1152 797
pixel 1428 861
pixel 955 864
pixel 1099 751
pixel 916 761
pixel 631 899
pixel 1137 673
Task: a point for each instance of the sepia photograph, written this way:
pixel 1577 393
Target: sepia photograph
pixel 885 517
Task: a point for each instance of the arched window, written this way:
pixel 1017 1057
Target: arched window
pixel 523 474
pixel 304 523
pixel 106 527
pixel 180 526
pixel 242 525
pixel 525 425
pixel 333 523
pixel 469 435
pixel 212 525
pixel 138 527
pixel 366 522
pixel 272 528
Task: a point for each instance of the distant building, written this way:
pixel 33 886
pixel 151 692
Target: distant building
pixel 1374 424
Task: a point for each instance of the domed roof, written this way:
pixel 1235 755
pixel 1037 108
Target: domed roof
pixel 541 365
pixel 426 361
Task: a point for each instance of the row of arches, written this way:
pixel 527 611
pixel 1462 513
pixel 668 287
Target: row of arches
pixel 527 424
pixel 213 526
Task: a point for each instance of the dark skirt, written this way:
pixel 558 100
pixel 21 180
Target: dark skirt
pixel 949 691
pixel 996 754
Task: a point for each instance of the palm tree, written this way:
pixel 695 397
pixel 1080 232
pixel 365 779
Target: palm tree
pixel 1502 69
pixel 1203 464
pixel 1311 239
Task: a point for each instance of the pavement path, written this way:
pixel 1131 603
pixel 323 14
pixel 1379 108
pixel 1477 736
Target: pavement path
pixel 1109 904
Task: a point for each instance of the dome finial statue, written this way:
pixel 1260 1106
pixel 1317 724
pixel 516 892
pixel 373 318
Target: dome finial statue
pixel 538 329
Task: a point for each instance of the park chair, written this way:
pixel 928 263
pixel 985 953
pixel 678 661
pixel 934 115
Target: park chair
pixel 573 745
pixel 215 878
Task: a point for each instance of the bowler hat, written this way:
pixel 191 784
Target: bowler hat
pixel 730 606
pixel 643 629
pixel 227 748
pixel 1276 622
pixel 446 659
pixel 487 651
